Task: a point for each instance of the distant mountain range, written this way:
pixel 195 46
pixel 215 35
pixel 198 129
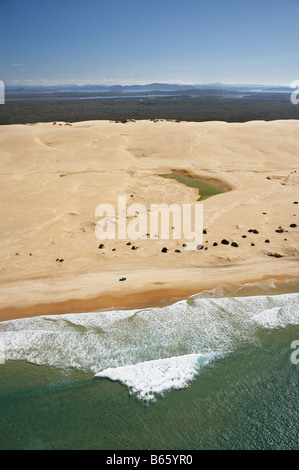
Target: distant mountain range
pixel 164 87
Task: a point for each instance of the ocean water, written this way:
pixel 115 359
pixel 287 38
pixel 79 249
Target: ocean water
pixel 210 372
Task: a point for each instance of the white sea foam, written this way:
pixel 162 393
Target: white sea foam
pixel 151 378
pixel 277 317
pixel 116 340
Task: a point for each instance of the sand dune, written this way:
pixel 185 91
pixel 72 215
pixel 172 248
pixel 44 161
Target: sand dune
pixel 53 176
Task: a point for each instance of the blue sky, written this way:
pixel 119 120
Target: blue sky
pixel 119 42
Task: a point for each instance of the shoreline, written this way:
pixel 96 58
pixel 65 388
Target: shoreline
pixel 141 299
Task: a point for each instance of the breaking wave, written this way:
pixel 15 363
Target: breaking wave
pixel 150 350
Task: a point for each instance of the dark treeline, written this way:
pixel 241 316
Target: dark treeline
pixel 258 106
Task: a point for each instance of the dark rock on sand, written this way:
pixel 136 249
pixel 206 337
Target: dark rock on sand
pixel 235 244
pixel 275 255
pixel 164 250
pixel 224 242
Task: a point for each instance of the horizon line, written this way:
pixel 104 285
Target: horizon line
pixel 12 84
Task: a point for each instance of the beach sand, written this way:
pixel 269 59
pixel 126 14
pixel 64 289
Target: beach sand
pixel 53 176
